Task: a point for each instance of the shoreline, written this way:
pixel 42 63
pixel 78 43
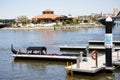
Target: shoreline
pixel 55 28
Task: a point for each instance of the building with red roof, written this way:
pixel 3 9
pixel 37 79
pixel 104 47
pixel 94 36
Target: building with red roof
pixel 48 16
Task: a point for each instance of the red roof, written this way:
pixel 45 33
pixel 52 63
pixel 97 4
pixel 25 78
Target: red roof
pixel 46 16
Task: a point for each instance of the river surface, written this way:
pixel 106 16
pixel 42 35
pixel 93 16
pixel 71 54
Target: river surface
pixel 43 70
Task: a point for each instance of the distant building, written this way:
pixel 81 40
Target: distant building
pixel 115 11
pixel 118 15
pixel 96 15
pixel 48 16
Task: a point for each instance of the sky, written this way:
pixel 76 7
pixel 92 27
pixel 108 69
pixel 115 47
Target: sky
pixel 13 8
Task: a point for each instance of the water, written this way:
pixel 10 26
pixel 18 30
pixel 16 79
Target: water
pixel 43 70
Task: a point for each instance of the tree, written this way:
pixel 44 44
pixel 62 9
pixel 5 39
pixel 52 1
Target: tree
pixel 4 21
pixel 94 19
pixel 86 21
pixel 64 23
pixel 75 21
pixel 23 19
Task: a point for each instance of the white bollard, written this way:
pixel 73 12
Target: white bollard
pixel 79 59
pixel 81 53
pixel 78 62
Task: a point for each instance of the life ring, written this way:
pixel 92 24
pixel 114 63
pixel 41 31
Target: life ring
pixel 94 55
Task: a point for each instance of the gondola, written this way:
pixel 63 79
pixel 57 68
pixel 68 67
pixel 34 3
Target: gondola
pixel 30 50
pixel 41 54
pixel 40 51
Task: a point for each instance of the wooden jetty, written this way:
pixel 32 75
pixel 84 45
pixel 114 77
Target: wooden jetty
pixel 101 42
pixel 82 48
pixel 90 65
pixel 92 45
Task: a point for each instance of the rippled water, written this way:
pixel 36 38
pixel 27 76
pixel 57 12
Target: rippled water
pixel 43 70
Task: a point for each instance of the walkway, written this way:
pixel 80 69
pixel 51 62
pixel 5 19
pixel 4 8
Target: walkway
pixel 90 66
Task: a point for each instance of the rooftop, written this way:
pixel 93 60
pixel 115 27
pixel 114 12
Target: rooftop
pixel 47 14
pixel 48 10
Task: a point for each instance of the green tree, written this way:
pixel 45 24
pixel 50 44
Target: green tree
pixel 75 21
pixel 94 19
pixel 64 23
pixel 86 21
pixel 12 22
pixel 23 19
pixel 4 21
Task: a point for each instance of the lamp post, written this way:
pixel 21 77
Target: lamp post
pixel 108 41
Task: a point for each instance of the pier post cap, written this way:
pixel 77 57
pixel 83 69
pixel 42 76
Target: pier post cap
pixel 108 19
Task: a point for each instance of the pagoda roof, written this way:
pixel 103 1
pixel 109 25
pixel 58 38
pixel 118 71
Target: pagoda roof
pixel 48 16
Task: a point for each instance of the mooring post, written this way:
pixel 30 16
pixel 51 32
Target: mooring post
pixel 81 54
pixel 71 69
pixel 87 49
pixel 108 41
pixel 87 52
pixel 79 60
pixel 96 59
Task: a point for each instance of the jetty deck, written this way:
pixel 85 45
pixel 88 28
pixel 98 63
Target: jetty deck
pixel 90 66
pixel 102 42
pixel 82 48
pixel 92 45
pixel 45 57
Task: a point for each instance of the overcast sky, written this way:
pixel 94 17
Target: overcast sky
pixel 31 8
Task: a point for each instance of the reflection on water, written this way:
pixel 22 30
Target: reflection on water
pixel 39 69
pixel 54 71
pixel 48 35
pixel 43 70
pixel 102 76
